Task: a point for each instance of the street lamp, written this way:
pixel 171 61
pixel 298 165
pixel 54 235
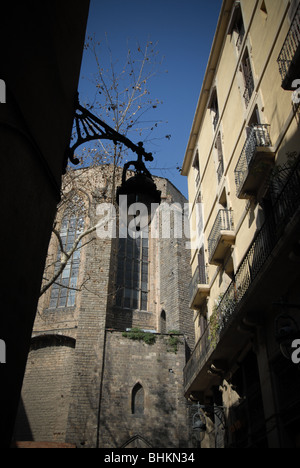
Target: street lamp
pixel 137 194
pixel 139 190
pixel 199 419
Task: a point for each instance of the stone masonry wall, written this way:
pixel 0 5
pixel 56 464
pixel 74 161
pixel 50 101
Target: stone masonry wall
pixel 81 394
pixel 159 371
pixel 174 267
pixel 89 352
pixel 43 412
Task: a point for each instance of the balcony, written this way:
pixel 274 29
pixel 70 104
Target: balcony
pixel 199 289
pixel 255 162
pixel 289 58
pixel 280 231
pixel 222 236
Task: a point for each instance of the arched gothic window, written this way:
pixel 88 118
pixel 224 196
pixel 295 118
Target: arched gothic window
pixel 63 291
pixel 137 400
pixel 137 442
pixel 163 322
pixel 132 273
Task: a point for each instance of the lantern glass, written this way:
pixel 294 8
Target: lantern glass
pixel 135 198
pixel 199 425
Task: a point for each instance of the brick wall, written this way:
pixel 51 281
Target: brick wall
pixel 88 360
pixel 44 408
pixel 159 372
pixel 99 373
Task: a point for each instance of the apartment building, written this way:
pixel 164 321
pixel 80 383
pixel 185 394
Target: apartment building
pixel 242 165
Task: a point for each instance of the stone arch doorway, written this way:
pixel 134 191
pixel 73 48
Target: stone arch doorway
pixel 137 442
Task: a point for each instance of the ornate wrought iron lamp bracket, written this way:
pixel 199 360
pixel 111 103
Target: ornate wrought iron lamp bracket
pixel 89 127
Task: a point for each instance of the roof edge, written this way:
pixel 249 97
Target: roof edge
pixel 212 64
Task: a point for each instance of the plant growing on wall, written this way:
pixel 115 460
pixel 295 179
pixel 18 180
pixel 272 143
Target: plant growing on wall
pixel 214 327
pixel 173 341
pixel 136 334
pixel 222 311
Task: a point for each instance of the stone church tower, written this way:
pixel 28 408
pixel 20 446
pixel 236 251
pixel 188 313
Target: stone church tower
pixel 92 379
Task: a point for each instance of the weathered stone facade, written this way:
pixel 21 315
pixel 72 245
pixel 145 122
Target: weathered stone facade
pixel 82 373
pixel 163 423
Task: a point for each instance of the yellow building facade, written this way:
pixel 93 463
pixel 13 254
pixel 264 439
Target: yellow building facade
pixel 241 165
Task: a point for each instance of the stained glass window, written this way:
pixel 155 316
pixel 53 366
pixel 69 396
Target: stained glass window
pixel 63 291
pixel 132 273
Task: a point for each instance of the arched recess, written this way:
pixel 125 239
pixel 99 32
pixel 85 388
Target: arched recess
pixel 137 442
pixel 47 389
pixel 47 340
pixel 163 322
pixel 137 400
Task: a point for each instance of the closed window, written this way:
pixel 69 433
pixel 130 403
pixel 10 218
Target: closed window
pixel 196 167
pixel 220 160
pixel 237 27
pixel 248 79
pixel 214 108
pixel 63 291
pixel 132 273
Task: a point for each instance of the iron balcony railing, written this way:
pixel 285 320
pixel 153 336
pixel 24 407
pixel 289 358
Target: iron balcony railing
pixel 290 47
pixel 249 87
pixel 223 222
pixel 258 253
pixel 259 136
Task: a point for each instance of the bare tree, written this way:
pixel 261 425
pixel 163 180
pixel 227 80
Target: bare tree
pixel 122 92
pixel 122 99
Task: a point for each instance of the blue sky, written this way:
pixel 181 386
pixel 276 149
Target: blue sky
pixel 184 30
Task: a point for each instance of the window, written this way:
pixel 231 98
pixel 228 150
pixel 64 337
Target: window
pixel 264 10
pixel 132 273
pixel 163 322
pixel 199 216
pixel 253 123
pixel 220 159
pixel 202 323
pixel 203 328
pixel 196 166
pixel 202 266
pixel 248 79
pixel 237 28
pixel 239 31
pixel 214 108
pixel 63 291
pixel 137 400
